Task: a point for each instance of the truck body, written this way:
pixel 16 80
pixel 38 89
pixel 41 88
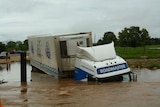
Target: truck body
pixel 55 54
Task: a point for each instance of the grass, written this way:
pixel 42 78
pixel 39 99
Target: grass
pixel 150 52
pixel 141 58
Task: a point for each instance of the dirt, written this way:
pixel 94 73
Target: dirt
pixel 13 59
pixel 144 63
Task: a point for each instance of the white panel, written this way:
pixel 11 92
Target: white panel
pixel 48 52
pixel 98 53
pixel 42 49
pixel 72 45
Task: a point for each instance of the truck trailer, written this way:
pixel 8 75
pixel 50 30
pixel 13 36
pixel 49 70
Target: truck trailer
pixel 55 54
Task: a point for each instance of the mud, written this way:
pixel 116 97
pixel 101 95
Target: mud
pixel 47 91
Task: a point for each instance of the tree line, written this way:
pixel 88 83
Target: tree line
pixel 129 37
pixel 13 46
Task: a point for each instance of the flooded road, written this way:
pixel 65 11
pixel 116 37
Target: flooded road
pixel 47 91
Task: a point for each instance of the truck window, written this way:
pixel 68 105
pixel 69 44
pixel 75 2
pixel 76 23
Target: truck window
pixel 63 48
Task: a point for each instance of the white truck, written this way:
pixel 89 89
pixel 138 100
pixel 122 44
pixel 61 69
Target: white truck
pixel 55 54
pixel 100 63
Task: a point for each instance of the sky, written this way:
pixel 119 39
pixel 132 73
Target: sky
pixel 22 18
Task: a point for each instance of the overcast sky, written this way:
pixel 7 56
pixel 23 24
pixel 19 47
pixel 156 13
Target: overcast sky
pixel 22 18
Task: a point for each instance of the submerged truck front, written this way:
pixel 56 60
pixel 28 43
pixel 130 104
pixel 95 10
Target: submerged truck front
pixel 99 63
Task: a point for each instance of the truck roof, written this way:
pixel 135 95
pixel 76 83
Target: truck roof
pixel 97 53
pixel 46 35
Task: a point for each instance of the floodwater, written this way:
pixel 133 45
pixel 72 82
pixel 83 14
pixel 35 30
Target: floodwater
pixel 47 91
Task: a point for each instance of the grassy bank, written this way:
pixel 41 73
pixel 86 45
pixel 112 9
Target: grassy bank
pixel 144 63
pixel 140 57
pixel 149 52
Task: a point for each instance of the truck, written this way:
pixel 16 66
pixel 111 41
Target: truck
pixel 55 54
pixel 100 63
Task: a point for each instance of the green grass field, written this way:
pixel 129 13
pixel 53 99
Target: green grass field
pixel 150 52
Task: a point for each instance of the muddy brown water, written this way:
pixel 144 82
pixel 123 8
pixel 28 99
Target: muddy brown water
pixel 47 91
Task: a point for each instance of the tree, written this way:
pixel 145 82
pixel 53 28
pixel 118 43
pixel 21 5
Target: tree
pixel 155 41
pixel 100 42
pixel 19 45
pixel 145 38
pixel 11 45
pixel 25 45
pixel 133 37
pixel 107 38
pixel 123 37
pixel 2 47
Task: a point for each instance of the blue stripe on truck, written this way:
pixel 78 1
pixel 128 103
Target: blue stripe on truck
pixel 112 68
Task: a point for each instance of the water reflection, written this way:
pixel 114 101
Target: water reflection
pixel 23 88
pixel 146 75
pixel 14 75
pixel 14 72
pixel 24 96
pixel 8 66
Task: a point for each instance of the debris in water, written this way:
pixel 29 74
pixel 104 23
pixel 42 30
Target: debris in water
pixel 2 81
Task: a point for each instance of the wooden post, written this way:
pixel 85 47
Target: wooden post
pixel 130 77
pixel 23 67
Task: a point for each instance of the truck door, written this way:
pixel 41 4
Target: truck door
pixel 68 48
